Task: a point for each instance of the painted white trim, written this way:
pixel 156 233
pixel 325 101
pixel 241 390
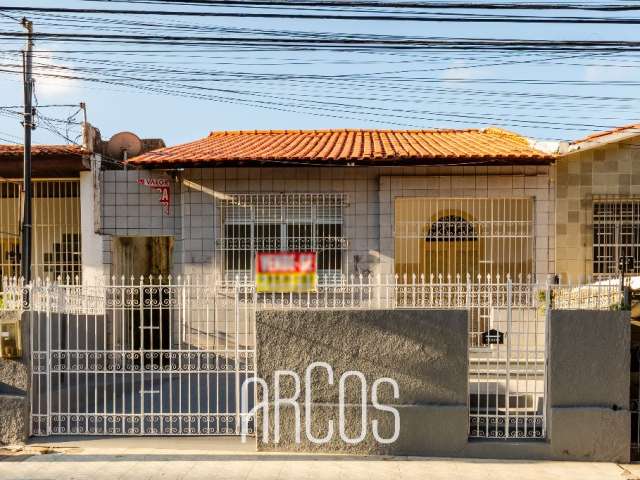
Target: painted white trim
pixel 91 242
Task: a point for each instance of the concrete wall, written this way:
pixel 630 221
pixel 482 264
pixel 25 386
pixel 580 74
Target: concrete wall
pixel 589 362
pixel 610 170
pixel 425 351
pixel 14 392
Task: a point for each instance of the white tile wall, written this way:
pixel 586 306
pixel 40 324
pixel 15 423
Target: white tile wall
pixel 131 209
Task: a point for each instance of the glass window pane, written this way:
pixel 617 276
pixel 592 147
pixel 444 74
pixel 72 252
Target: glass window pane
pixel 268 237
pixel 237 247
pixel 616 233
pixel 294 222
pixel 300 237
pixel 329 244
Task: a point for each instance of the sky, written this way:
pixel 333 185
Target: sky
pixel 418 89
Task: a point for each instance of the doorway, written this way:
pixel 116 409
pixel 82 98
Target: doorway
pixel 151 258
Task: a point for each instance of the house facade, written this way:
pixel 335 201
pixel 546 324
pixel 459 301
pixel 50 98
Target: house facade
pixel 382 203
pixel 411 204
pixel 161 320
pixel 598 204
pixel 57 176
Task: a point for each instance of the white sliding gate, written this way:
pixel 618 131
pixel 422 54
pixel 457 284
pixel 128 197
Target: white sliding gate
pixel 148 357
pixel 164 357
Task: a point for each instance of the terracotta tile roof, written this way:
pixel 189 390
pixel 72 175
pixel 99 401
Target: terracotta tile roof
pixel 362 147
pixel 71 151
pixel 633 129
pixel 47 160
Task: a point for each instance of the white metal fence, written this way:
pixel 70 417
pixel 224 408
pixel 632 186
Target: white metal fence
pixel 168 355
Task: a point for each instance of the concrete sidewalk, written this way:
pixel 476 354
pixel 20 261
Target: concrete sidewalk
pixel 227 458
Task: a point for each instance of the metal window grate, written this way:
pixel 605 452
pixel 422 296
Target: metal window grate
pixel 56 228
pixel 460 236
pixel 616 233
pixel 476 238
pixel 252 223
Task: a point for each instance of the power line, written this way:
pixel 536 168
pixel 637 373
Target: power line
pixel 351 17
pixel 397 5
pixel 329 108
pixel 10 17
pixel 482 44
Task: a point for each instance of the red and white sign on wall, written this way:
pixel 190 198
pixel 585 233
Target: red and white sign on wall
pixel 286 272
pixel 162 185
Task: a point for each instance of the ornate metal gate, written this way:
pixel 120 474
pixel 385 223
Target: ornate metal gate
pixel 142 356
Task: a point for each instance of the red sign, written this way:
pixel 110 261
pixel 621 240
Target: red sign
pixel 162 185
pixel 286 272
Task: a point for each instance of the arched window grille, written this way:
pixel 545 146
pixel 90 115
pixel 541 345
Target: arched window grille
pixel 451 228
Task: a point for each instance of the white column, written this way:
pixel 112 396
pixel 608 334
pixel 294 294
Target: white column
pixel 92 265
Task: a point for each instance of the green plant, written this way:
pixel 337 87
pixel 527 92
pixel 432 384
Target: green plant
pixel 542 296
pixel 620 307
pixel 543 299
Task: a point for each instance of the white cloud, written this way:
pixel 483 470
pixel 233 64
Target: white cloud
pixel 45 70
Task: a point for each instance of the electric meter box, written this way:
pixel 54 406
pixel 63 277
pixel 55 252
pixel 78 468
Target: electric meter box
pixel 10 337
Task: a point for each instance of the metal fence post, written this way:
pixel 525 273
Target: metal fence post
pixel 48 354
pixel 547 317
pixel 236 310
pixel 508 360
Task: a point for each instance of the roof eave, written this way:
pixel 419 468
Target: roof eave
pixel 480 160
pixel 600 142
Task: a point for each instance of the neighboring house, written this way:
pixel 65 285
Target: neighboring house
pixel 598 204
pixel 380 202
pixel 57 172
pixel 64 180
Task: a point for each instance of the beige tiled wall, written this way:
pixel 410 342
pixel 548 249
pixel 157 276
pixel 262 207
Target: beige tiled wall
pixel 610 170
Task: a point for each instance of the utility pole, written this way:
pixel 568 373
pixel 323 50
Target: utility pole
pixel 27 54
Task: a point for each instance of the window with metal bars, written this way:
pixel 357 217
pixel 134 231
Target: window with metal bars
pixel 55 230
pixel 252 223
pixel 616 233
pixel 460 236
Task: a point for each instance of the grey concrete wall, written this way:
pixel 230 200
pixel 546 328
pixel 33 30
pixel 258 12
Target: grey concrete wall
pixel 14 391
pixel 589 361
pixel 425 351
pixel 14 419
